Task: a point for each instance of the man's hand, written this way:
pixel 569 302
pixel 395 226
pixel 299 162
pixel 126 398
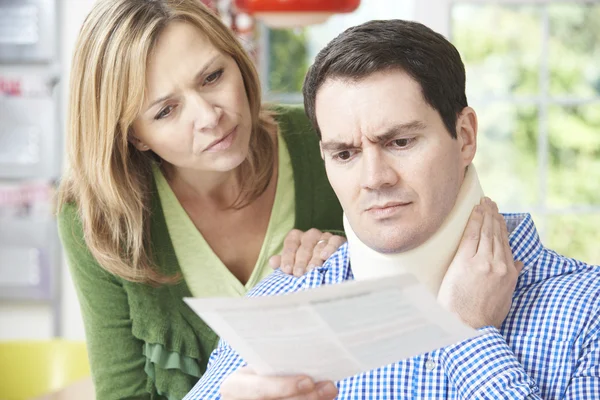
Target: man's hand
pixel 303 251
pixel 244 384
pixel 481 279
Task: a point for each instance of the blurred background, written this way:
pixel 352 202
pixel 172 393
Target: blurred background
pixel 533 76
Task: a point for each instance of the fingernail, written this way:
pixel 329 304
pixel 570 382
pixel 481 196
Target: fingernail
pixel 305 384
pixel 328 390
pixel 324 255
pixel 287 268
pixel 310 267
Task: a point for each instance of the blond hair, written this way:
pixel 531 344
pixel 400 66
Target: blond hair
pixel 108 179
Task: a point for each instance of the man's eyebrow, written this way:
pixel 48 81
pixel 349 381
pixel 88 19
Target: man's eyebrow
pixel 392 132
pixel 399 129
pixel 198 75
pixel 333 145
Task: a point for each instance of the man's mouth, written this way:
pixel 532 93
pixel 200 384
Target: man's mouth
pixel 386 209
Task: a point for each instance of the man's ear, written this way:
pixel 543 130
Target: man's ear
pixel 321 150
pixel 466 134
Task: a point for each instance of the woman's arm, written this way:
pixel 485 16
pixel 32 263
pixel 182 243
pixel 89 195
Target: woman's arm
pixel 116 358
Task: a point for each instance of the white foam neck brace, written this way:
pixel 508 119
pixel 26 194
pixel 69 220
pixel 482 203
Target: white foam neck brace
pixel 429 261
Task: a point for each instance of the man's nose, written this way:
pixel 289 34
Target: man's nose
pixel 377 172
pixel 205 114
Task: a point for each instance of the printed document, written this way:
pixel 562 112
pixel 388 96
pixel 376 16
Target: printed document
pixel 334 331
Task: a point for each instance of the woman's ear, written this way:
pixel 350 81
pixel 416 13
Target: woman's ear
pixel 136 142
pixel 466 134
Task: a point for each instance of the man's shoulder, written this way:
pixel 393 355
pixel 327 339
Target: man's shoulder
pixel 576 281
pixel 566 275
pixel 560 292
pixel 335 269
pixel 546 270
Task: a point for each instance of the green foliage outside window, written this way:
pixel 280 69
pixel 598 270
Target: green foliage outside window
pixel 502 47
pixel 288 60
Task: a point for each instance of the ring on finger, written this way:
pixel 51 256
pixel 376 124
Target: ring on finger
pixel 322 241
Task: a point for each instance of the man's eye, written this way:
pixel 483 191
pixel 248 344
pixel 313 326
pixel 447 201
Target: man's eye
pixel 213 77
pixel 402 142
pixel 164 112
pixel 344 155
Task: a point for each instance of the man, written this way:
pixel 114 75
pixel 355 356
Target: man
pixel 388 100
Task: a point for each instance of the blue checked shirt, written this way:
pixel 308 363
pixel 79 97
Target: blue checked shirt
pixel 547 348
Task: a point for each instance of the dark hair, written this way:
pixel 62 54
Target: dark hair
pixel 377 46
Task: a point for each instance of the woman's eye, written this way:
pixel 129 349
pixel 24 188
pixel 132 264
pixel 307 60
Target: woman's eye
pixel 213 77
pixel 164 112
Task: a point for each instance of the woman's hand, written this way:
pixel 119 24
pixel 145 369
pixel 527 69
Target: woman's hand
pixel 303 251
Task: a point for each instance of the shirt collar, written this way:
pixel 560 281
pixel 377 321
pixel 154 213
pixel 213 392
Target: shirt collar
pixel 523 238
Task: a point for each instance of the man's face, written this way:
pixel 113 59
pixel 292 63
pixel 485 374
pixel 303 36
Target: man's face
pixel 390 159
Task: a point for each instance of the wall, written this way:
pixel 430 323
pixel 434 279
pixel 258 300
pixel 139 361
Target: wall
pixel 27 320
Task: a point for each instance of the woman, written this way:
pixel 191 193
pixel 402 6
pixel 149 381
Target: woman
pixel 180 184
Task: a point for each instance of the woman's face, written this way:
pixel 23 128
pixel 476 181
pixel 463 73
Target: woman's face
pixel 196 114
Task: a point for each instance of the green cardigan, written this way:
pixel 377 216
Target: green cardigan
pixel 144 342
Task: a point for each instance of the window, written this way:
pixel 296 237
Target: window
pixel 534 79
pixel 291 51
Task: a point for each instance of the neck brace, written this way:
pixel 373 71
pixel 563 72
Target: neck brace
pixel 429 261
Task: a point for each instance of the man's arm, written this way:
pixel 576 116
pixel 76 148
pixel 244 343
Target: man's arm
pixel 228 378
pixel 585 381
pixel 478 288
pixel 485 367
pixel 223 362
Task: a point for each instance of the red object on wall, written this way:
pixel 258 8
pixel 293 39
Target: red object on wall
pixel 210 4
pixel 312 6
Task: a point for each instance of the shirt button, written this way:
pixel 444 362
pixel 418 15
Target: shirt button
pixel 430 365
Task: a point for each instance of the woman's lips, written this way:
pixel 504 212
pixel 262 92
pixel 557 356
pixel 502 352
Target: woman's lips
pixel 224 143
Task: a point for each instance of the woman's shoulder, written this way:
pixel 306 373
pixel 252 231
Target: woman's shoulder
pixel 66 210
pixel 69 221
pixel 70 231
pixel 70 227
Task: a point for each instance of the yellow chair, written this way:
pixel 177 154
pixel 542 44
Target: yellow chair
pixel 34 368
